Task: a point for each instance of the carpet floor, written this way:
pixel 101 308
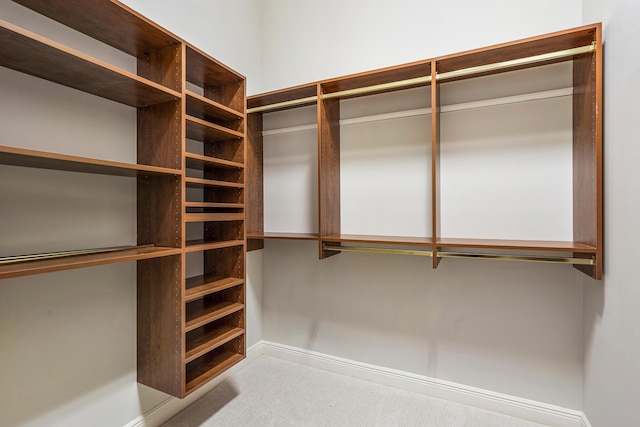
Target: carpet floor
pixel 271 392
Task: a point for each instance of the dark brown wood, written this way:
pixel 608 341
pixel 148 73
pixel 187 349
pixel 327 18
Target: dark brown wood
pixel 111 22
pixel 328 170
pixel 27 52
pixel 199 182
pixel 207 109
pixel 255 181
pixel 200 344
pixel 201 130
pixel 203 70
pixel 160 135
pixel 44 160
pixel 435 164
pixel 197 161
pixel 200 286
pixel 160 341
pixel 203 217
pixel 163 66
pixel 208 205
pixel 588 154
pixel 205 368
pixel 201 245
pixel 159 211
pixel 200 312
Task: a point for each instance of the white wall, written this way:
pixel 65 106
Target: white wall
pixel 68 339
pixel 511 328
pixel 612 336
pixel 309 40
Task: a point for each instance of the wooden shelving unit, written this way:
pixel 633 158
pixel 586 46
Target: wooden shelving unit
pixel 190 328
pixel 581 46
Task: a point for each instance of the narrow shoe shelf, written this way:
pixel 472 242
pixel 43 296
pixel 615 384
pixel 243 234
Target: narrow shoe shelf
pixel 200 286
pixel 199 345
pixel 207 217
pixel 202 245
pixel 198 161
pixel 198 315
pixel 199 372
pixel 207 109
pixel 201 130
pixel 201 182
pixel 214 205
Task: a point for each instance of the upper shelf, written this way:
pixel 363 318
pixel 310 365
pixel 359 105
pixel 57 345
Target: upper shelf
pixel 111 22
pixel 202 70
pixel 30 53
pixel 207 109
pixel 43 160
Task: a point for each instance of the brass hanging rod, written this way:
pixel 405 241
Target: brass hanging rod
pixel 427 79
pixel 418 252
pixel 377 88
pixel 516 62
pixel 284 104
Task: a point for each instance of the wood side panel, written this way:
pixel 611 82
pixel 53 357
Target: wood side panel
pixel 159 319
pixel 435 163
pixel 163 66
pixel 588 156
pixel 328 169
pixel 254 181
pixel 159 211
pixel 160 131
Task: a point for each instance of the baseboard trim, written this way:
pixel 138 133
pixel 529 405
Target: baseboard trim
pixel 585 421
pixel 526 409
pixel 169 407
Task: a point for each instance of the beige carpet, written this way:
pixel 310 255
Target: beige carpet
pixel 275 393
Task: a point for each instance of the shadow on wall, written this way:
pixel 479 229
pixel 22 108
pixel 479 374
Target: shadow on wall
pixel 68 341
pixel 476 322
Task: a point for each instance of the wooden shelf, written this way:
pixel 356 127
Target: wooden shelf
pixel 283 236
pixel 210 369
pixel 535 245
pixel 43 160
pixel 202 70
pixel 201 245
pixel 207 109
pixel 207 217
pixel 211 340
pixel 201 130
pixel 199 286
pixel 83 261
pixel 201 182
pixel 388 240
pixel 32 54
pixel 198 161
pixel 198 316
pixel 110 22
pixel 214 205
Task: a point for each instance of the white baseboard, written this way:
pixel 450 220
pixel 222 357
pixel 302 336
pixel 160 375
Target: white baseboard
pixel 171 406
pixel 526 409
pixel 585 421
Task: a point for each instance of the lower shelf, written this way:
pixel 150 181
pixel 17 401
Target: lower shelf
pixel 210 340
pixel 209 366
pixel 81 261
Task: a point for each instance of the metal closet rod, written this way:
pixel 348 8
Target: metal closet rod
pixel 439 254
pixel 427 79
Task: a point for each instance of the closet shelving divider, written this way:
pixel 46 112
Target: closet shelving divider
pixel 189 329
pixel 582 46
pixel 214 302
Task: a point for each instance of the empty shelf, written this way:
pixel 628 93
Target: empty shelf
pixel 199 286
pixel 206 217
pixel 201 182
pixel 198 161
pixel 202 344
pixel 200 316
pixel 389 240
pixel 207 109
pixel 43 160
pixel 201 130
pixel 535 245
pixel 283 236
pixel 214 205
pixel 214 365
pixel 201 245
pixel 30 53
